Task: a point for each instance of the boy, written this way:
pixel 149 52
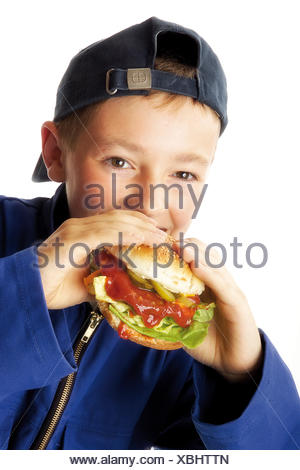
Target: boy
pixel 161 121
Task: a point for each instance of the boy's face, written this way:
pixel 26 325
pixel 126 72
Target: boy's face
pixel 142 146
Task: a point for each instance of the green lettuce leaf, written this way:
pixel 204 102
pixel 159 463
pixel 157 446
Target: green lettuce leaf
pixel 167 329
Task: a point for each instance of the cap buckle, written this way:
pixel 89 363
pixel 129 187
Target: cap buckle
pixel 110 92
pixel 139 79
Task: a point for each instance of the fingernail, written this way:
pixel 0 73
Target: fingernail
pixel 189 252
pixel 161 235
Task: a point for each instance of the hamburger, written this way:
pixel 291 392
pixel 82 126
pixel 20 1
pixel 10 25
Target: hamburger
pixel 159 308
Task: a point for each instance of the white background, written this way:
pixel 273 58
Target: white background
pixel 253 190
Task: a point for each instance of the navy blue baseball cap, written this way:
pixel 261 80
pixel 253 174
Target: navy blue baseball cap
pixel 123 65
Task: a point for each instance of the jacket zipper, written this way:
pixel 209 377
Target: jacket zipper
pixel 65 386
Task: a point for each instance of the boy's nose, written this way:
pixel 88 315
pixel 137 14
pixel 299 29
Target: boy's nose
pixel 154 196
pixel 153 200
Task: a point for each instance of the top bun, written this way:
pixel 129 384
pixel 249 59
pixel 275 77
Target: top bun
pixel 176 276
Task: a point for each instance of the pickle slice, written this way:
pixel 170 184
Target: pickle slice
pixel 182 299
pixel 144 283
pixel 163 292
pixel 93 265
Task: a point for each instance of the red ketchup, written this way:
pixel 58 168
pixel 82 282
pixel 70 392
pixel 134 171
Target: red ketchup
pixel 122 330
pixel 149 305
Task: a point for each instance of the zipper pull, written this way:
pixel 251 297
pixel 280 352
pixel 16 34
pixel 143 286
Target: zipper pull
pixel 94 322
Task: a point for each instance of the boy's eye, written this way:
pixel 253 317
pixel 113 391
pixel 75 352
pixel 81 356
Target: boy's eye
pixel 186 175
pixel 117 162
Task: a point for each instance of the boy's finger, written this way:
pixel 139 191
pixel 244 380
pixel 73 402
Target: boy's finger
pixel 132 213
pixel 125 216
pixel 124 227
pixel 219 281
pixel 209 268
pixel 143 216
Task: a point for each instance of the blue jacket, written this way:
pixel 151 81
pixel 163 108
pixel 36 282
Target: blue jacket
pixel 125 396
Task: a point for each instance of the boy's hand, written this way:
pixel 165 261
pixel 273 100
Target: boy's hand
pixel 62 279
pixel 233 344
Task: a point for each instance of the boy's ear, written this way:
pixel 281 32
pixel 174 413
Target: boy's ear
pixel 52 152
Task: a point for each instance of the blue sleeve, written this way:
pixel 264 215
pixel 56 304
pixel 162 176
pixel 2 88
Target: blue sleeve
pixel 31 356
pixel 213 413
pixel 263 413
pixel 178 431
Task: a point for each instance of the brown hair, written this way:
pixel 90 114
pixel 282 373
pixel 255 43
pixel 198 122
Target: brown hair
pixel 70 127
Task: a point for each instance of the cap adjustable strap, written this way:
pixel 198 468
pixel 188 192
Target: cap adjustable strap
pixel 146 78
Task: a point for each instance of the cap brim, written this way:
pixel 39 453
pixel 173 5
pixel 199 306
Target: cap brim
pixel 40 172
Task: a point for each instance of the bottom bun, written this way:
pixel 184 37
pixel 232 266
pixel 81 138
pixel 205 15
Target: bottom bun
pixel 134 335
